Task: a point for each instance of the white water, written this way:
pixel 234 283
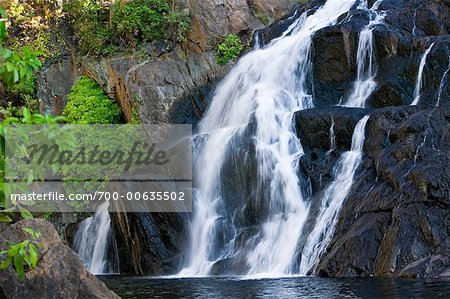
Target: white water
pixel 442 83
pixel 91 240
pixel 418 88
pixel 414 30
pixel 333 199
pixel 366 61
pixel 266 87
pixel 332 138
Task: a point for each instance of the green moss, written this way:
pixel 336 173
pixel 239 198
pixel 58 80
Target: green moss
pixel 88 104
pixel 229 49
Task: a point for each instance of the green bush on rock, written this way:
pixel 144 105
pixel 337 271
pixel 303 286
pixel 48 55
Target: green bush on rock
pixel 229 49
pixel 102 27
pixel 88 104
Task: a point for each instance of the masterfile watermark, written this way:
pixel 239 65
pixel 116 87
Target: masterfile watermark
pixel 138 168
pixel 54 155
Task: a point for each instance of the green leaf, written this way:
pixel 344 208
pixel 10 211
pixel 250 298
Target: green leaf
pixel 6 262
pixel 33 256
pixel 5 218
pixel 26 113
pixel 24 213
pixel 35 234
pixel 18 264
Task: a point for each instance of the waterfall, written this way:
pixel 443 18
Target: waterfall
pixel 332 138
pixel 259 95
pixel 366 61
pixel 333 199
pixel 442 83
pixel 414 30
pixel 91 241
pixel 418 87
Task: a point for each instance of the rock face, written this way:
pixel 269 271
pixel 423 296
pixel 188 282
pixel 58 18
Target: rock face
pixel 409 29
pixel 171 85
pixel 59 272
pixel 395 219
pixel 54 85
pixel 212 20
pixel 174 84
pixel 149 243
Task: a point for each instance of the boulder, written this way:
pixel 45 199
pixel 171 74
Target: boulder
pixel 59 272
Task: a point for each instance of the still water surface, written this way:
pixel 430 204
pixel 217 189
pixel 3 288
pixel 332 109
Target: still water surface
pixel 297 287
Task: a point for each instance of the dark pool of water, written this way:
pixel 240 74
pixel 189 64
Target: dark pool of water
pixel 298 287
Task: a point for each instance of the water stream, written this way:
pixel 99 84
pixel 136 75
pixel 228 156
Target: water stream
pixel 259 96
pixel 91 241
pixel 418 88
pixel 366 60
pixel 334 196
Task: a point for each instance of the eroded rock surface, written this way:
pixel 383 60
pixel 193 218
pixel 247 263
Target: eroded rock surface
pixel 395 220
pixel 59 272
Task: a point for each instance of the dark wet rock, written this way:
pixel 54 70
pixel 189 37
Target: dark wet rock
pixel 334 59
pixel 149 243
pixel 59 272
pixel 409 28
pixel 313 128
pixel 395 220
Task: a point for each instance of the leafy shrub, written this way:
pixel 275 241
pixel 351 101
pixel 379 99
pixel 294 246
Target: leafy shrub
pixel 229 49
pixel 23 254
pixel 140 20
pixel 18 67
pixel 90 19
pixel 88 104
pixel 101 27
pixel 32 24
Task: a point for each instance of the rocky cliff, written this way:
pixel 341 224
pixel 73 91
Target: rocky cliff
pixel 169 83
pixel 395 220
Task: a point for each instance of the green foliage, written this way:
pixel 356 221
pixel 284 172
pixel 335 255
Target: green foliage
pixel 88 104
pixel 32 24
pixel 140 20
pixel 101 27
pixel 47 216
pixel 18 67
pixel 3 17
pixel 178 24
pixel 229 49
pixel 91 23
pixel 23 255
pixel 63 137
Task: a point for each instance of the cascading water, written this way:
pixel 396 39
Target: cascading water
pixel 442 83
pixel 333 199
pixel 332 138
pixel 260 95
pixel 366 61
pixel 418 88
pixel 91 241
